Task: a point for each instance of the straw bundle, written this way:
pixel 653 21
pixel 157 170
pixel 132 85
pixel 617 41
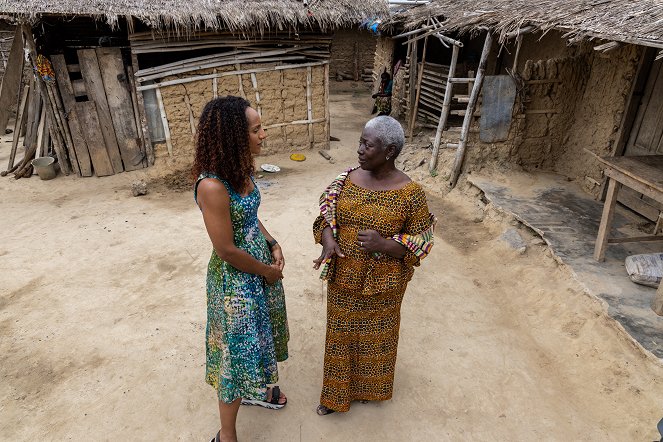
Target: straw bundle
pixel 257 16
pixel 639 22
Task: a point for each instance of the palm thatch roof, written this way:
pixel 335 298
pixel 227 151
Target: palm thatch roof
pixel 629 21
pixel 234 15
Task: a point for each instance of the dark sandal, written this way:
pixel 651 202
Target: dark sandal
pixel 321 410
pixel 272 404
pixel 216 438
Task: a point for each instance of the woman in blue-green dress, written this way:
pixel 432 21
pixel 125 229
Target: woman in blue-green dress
pixel 247 329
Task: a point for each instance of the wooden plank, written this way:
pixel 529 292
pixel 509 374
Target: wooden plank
pixel 648 238
pixel 646 170
pixel 20 115
pixel 78 88
pixel 11 80
pixel 66 92
pixel 309 104
pixel 164 120
pixel 499 96
pixel 633 200
pixel 606 220
pixel 144 130
pixel 635 145
pixel 116 86
pixel 420 78
pixel 444 114
pixel 134 105
pixel 86 114
pixel 94 84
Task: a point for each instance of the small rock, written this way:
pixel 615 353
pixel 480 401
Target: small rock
pixel 513 239
pixel 537 241
pixel 139 188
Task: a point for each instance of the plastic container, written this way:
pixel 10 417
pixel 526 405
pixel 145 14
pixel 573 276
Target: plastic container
pixel 45 167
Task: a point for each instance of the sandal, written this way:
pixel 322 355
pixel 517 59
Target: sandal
pixel 321 410
pixel 216 438
pixel 272 404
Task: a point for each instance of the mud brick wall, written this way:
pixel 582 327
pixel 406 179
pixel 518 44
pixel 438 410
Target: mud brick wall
pixel 343 51
pixel 282 100
pixel 384 58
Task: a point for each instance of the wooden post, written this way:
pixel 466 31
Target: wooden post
pixel 606 219
pixel 355 62
pixel 309 105
pixel 215 85
pixel 657 302
pixel 239 77
pixel 446 106
pixel 164 120
pixel 519 43
pixel 412 81
pixel 40 133
pixel 192 123
pixel 144 130
pixel 474 96
pixel 413 116
pixel 134 105
pixel 254 82
pixel 20 115
pixel 327 117
pixel 11 81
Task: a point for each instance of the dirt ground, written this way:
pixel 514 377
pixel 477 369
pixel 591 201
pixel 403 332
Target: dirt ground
pixel 102 320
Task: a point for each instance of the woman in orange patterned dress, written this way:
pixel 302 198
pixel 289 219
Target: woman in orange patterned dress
pixel 374 228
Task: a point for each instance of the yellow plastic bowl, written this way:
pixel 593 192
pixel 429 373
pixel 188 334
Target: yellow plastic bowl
pixel 297 157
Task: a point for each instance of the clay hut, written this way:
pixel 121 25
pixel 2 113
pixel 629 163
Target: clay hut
pixel 129 79
pixel 562 82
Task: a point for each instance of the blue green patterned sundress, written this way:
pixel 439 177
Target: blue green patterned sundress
pixel 247 326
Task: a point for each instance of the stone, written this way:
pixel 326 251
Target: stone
pixel 513 239
pixel 139 188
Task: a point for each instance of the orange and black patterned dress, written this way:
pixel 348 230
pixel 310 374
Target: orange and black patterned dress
pixel 365 293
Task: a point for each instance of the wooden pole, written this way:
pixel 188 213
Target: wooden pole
pixel 309 104
pixel 446 106
pixel 355 62
pixel 327 118
pixel 238 71
pixel 144 130
pixel 164 120
pixel 519 41
pixel 134 105
pixel 464 132
pixel 413 78
pixel 254 82
pixel 58 138
pixel 215 85
pixel 62 123
pixel 413 116
pixel 17 126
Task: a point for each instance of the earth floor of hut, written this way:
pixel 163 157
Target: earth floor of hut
pixel 102 318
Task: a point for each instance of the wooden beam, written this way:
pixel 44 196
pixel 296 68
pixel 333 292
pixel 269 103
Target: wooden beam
pixel 413 115
pixel 446 106
pixel 164 120
pixel 309 104
pixel 144 129
pixel 606 220
pixel 94 84
pixel 11 80
pixel 85 113
pixel 474 96
pixel 20 116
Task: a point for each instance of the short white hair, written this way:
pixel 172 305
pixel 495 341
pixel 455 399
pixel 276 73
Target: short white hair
pixel 389 131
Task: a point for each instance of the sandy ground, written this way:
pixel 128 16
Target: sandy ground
pixel 102 315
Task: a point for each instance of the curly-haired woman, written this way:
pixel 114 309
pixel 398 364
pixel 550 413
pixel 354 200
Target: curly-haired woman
pixel 247 330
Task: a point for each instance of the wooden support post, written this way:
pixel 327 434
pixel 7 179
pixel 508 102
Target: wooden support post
pixel 519 43
pixel 446 106
pixel 412 83
pixel 239 77
pixel 64 127
pixel 413 116
pixel 20 115
pixel 606 220
pixel 254 82
pixel 474 96
pixel 40 133
pixel 215 85
pixel 136 112
pixel 192 123
pixel 144 130
pixel 164 120
pixel 327 117
pixel 11 81
pixel 309 104
pixel 355 62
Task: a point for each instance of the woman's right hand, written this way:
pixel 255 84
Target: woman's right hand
pixel 329 248
pixel 272 274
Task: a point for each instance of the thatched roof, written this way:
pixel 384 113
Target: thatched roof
pixel 630 21
pixel 235 15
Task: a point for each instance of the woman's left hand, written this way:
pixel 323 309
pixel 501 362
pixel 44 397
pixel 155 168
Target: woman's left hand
pixel 277 256
pixel 370 241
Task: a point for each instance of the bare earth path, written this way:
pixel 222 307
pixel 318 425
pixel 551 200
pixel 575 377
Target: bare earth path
pixel 102 316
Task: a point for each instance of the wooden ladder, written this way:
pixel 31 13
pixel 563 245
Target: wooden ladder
pixel 469 113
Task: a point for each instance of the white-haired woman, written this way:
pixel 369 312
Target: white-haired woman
pixel 374 227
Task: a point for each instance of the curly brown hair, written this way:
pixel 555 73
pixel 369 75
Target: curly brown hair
pixel 222 142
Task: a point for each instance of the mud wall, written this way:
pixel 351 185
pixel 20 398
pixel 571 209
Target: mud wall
pixel 383 58
pixel 570 98
pixel 349 45
pixel 283 99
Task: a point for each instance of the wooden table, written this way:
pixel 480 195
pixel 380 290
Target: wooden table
pixel 644 174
